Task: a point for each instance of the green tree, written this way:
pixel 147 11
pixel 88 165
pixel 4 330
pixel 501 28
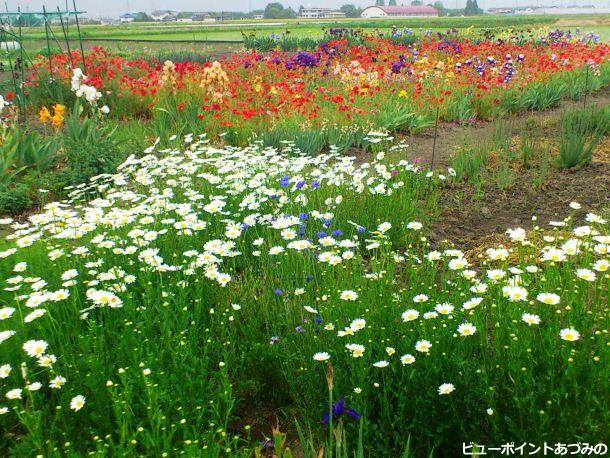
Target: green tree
pixel 274 11
pixel 392 3
pixel 438 6
pixel 417 3
pixel 380 3
pixel 476 8
pixel 351 10
pixel 142 17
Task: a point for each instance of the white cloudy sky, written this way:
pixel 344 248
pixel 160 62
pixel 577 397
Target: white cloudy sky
pixel 115 7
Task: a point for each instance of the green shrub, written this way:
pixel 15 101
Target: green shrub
pixel 90 150
pixel 89 159
pixel 14 198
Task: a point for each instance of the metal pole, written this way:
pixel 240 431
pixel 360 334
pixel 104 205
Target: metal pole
pixel 10 61
pixel 80 39
pixel 435 135
pixel 46 29
pixel 586 85
pixel 22 95
pixel 66 37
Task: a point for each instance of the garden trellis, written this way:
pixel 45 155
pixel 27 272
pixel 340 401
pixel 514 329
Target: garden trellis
pixel 14 52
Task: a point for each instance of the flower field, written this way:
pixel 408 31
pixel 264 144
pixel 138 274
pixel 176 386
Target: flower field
pixel 337 93
pixel 243 287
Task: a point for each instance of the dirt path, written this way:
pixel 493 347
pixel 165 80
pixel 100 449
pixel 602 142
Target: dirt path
pixel 452 135
pixel 469 216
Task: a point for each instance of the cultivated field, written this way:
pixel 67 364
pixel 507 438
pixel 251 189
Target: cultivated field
pixel 366 241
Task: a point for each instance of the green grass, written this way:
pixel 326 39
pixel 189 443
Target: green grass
pixel 232 30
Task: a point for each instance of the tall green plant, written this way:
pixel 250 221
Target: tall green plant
pixel 581 132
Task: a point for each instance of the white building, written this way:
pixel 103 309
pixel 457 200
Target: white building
pixel 398 11
pixel 320 13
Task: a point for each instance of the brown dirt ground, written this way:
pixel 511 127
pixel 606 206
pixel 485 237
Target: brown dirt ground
pixel 468 221
pixel 572 22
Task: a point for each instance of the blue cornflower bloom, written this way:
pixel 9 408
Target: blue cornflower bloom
pixel 337 233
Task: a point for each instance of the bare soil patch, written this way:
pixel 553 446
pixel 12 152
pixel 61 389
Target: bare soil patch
pixel 470 214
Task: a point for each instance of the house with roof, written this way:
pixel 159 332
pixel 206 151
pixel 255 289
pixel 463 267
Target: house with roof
pixel 164 15
pixel 203 17
pixel 127 17
pixel 379 12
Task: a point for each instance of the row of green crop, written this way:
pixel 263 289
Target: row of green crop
pixel 300 28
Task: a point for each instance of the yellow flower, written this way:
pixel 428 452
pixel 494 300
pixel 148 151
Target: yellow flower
pixel 44 115
pixel 57 121
pixel 402 94
pixel 58 115
pixel 59 109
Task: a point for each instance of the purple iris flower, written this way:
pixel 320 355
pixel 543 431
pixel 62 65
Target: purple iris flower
pixel 340 408
pixel 267 444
